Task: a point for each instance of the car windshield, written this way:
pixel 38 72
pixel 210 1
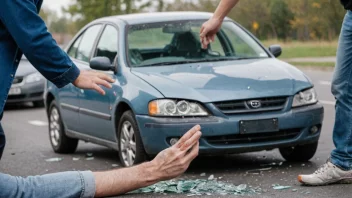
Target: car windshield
pixel 171 43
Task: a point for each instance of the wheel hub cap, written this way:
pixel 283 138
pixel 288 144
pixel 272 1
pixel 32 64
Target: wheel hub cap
pixel 128 143
pixel 54 127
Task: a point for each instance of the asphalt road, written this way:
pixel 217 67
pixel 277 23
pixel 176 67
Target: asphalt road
pixel 28 147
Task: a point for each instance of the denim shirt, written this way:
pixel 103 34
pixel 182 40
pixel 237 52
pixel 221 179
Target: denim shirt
pixel 22 31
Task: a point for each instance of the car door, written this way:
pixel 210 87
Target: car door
pixel 95 109
pixel 68 95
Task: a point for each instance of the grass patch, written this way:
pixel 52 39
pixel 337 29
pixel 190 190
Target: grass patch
pixel 313 64
pixel 297 49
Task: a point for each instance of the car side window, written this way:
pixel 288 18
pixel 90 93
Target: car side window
pixel 73 49
pixel 86 45
pixel 240 46
pixel 108 43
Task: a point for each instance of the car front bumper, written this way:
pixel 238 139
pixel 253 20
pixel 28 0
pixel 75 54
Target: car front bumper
pixel 30 92
pixel 221 135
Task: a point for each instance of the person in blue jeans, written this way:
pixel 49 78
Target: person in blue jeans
pixel 22 31
pixel 338 169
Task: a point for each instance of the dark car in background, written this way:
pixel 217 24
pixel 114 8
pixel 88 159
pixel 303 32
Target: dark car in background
pixel 27 86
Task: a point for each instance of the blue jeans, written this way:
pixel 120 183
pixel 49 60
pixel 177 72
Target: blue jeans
pixel 65 184
pixel 342 90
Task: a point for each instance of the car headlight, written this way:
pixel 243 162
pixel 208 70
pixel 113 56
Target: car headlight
pixel 305 97
pixel 167 107
pixel 35 77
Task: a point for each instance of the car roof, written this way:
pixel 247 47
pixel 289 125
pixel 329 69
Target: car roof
pixel 155 17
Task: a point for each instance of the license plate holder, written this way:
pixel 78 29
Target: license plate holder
pixel 259 126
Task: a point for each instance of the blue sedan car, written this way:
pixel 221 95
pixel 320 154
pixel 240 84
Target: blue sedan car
pixel 242 96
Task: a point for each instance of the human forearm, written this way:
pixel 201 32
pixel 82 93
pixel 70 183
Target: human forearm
pixel 168 164
pixel 224 8
pixel 120 181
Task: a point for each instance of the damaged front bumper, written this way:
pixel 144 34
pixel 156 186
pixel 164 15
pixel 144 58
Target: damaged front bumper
pixel 221 134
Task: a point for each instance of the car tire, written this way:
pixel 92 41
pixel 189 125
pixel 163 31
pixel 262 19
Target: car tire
pixel 59 141
pixel 131 148
pixel 300 153
pixel 38 103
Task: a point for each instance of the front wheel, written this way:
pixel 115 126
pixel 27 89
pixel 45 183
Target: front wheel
pixel 300 153
pixel 131 149
pixel 58 139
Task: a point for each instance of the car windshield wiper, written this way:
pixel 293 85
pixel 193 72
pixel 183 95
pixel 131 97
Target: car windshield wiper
pixel 226 59
pixel 199 61
pixel 167 63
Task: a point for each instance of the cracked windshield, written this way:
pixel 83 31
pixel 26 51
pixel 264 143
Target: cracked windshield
pixel 171 43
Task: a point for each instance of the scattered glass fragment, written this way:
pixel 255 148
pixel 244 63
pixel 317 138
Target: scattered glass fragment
pixel 294 190
pixel 199 187
pixel 241 187
pixel 90 158
pixel 279 187
pixel 203 174
pixel 75 158
pixel 89 154
pixel 258 171
pixel 211 177
pixel 280 163
pixel 55 159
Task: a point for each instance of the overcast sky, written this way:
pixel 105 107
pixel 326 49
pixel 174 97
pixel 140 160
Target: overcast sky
pixel 55 5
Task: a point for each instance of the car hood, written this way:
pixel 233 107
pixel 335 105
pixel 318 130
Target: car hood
pixel 25 68
pixel 230 80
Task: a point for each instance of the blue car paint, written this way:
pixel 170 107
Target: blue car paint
pixel 221 81
pixel 202 82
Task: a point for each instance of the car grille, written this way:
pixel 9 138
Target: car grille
pixel 17 80
pixel 254 137
pixel 16 97
pixel 243 106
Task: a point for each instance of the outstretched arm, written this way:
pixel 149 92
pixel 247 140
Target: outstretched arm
pixel 212 26
pixel 168 164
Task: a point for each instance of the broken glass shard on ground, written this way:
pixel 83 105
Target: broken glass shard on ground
pixel 55 159
pixel 279 187
pixel 258 171
pixel 89 154
pixel 199 187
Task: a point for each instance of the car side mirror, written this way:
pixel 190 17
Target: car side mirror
pixel 101 63
pixel 275 50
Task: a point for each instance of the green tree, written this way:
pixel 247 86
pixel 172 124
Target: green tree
pixel 89 10
pixel 281 17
